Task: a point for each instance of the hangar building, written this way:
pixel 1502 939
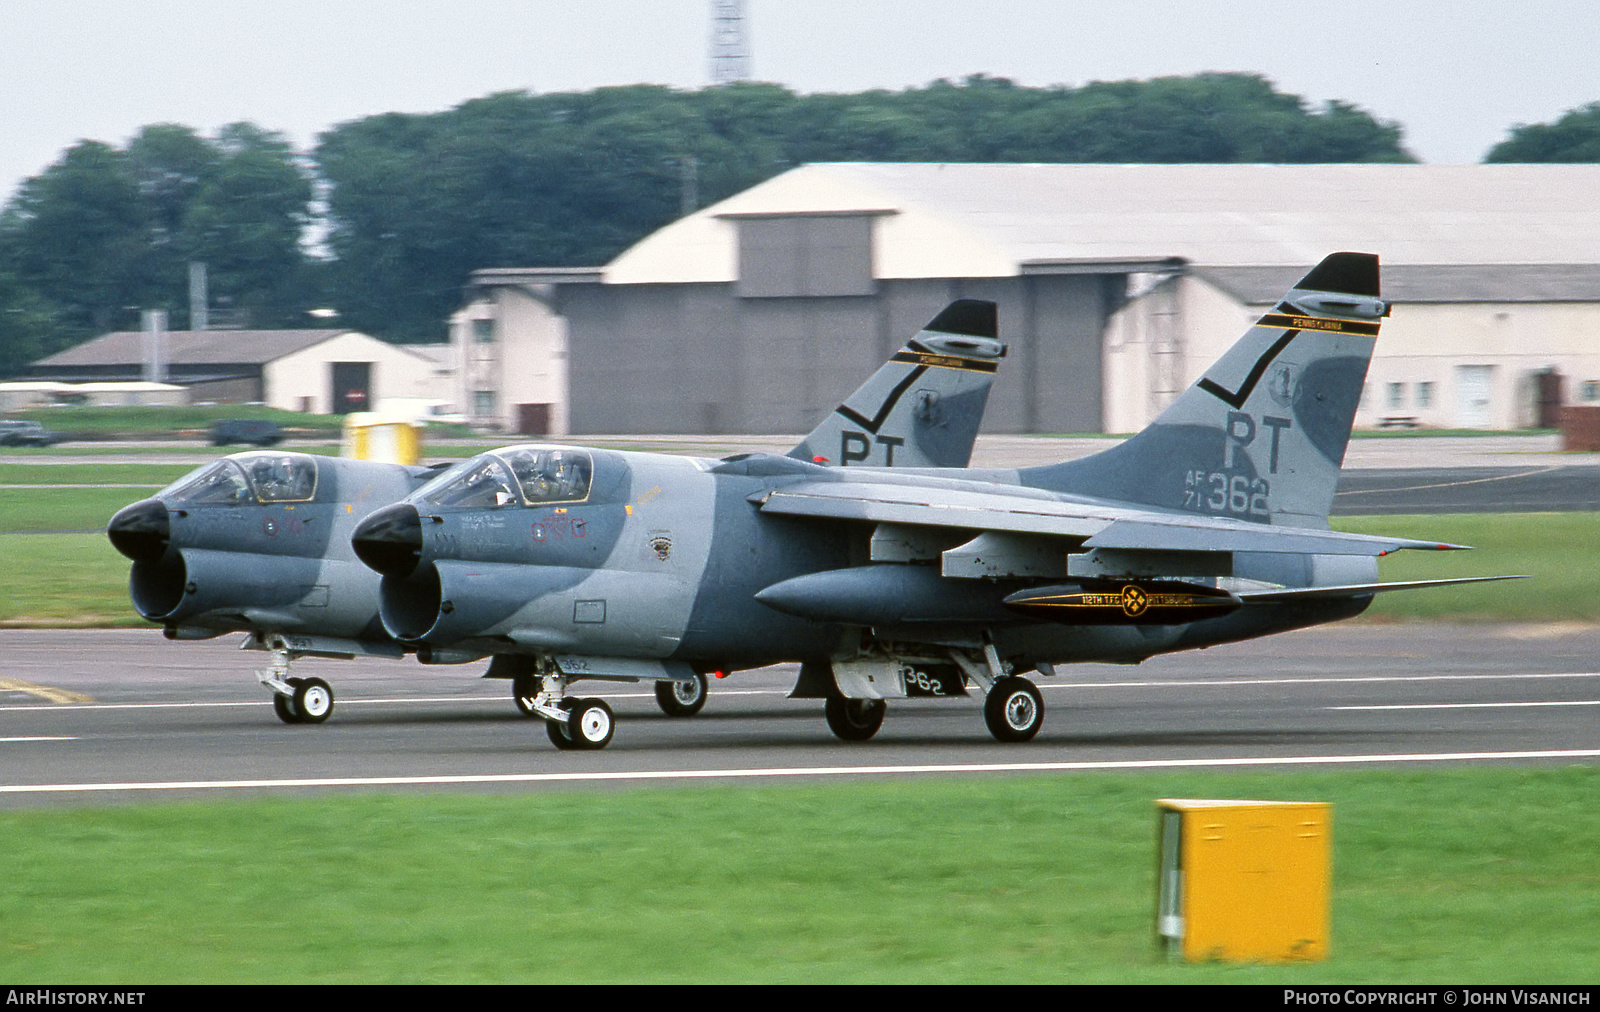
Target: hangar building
pixel 1116 285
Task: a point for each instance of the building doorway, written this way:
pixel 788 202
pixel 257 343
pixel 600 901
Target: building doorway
pixel 1474 396
pixel 351 386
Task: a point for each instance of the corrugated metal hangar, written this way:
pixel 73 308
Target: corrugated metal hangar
pixel 1116 285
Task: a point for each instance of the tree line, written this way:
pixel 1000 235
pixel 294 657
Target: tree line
pixel 385 218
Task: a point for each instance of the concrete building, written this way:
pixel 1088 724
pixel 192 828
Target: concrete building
pixel 318 371
pixel 1117 285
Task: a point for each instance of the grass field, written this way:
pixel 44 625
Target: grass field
pixel 1460 876
pixel 1556 549
pixel 54 580
pixel 156 475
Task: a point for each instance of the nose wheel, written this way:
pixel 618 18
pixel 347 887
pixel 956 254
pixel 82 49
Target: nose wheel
pixel 589 725
pixel 310 702
pixel 294 700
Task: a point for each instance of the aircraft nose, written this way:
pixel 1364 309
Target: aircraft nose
pixel 141 531
pixel 390 540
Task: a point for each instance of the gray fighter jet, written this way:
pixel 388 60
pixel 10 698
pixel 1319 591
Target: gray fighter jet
pixel 1209 526
pixel 259 542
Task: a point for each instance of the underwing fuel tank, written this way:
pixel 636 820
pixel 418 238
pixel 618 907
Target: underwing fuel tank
pixel 887 594
pixel 1123 602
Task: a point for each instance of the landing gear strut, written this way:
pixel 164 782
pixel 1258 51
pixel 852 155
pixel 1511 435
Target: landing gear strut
pixel 294 700
pixel 570 723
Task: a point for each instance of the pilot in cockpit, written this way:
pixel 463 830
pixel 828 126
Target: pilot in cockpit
pixel 282 479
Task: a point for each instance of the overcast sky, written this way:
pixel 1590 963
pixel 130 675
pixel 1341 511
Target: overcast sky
pixel 1456 75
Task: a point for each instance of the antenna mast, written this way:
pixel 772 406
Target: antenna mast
pixel 730 45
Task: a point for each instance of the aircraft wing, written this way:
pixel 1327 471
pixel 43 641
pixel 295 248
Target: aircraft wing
pixel 1029 512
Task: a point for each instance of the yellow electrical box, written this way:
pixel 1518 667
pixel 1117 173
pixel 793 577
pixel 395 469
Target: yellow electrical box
pixel 1244 881
pixel 370 435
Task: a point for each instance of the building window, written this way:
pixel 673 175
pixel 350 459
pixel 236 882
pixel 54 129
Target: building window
pixel 483 403
pixel 483 331
pixel 1591 390
pixel 1425 394
pixel 1397 395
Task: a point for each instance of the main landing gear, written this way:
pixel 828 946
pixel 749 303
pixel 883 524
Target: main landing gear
pixel 854 719
pixel 1013 710
pixel 294 700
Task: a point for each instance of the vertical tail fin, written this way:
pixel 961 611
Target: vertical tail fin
pixel 922 408
pixel 1262 435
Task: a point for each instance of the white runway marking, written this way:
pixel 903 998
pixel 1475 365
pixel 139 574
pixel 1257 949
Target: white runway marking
pixel 815 771
pixel 1349 680
pixel 42 737
pixel 1466 706
pixel 340 701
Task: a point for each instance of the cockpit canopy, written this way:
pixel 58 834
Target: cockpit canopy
pixel 248 478
pixel 529 475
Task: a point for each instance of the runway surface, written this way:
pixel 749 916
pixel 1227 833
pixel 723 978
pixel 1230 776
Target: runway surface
pixel 94 717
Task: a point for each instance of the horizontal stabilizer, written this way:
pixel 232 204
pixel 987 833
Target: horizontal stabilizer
pixel 1356 589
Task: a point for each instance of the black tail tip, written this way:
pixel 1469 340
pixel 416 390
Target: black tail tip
pixel 1346 273
pixel 972 317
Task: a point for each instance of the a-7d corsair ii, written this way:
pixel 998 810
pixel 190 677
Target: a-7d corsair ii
pixel 259 542
pixel 1209 526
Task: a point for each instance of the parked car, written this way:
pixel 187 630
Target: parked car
pixel 21 433
pixel 254 431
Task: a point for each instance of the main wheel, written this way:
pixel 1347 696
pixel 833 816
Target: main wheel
pixel 524 690
pixel 1013 709
pixel 681 698
pixel 854 719
pixel 283 706
pixel 590 724
pixel 313 700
